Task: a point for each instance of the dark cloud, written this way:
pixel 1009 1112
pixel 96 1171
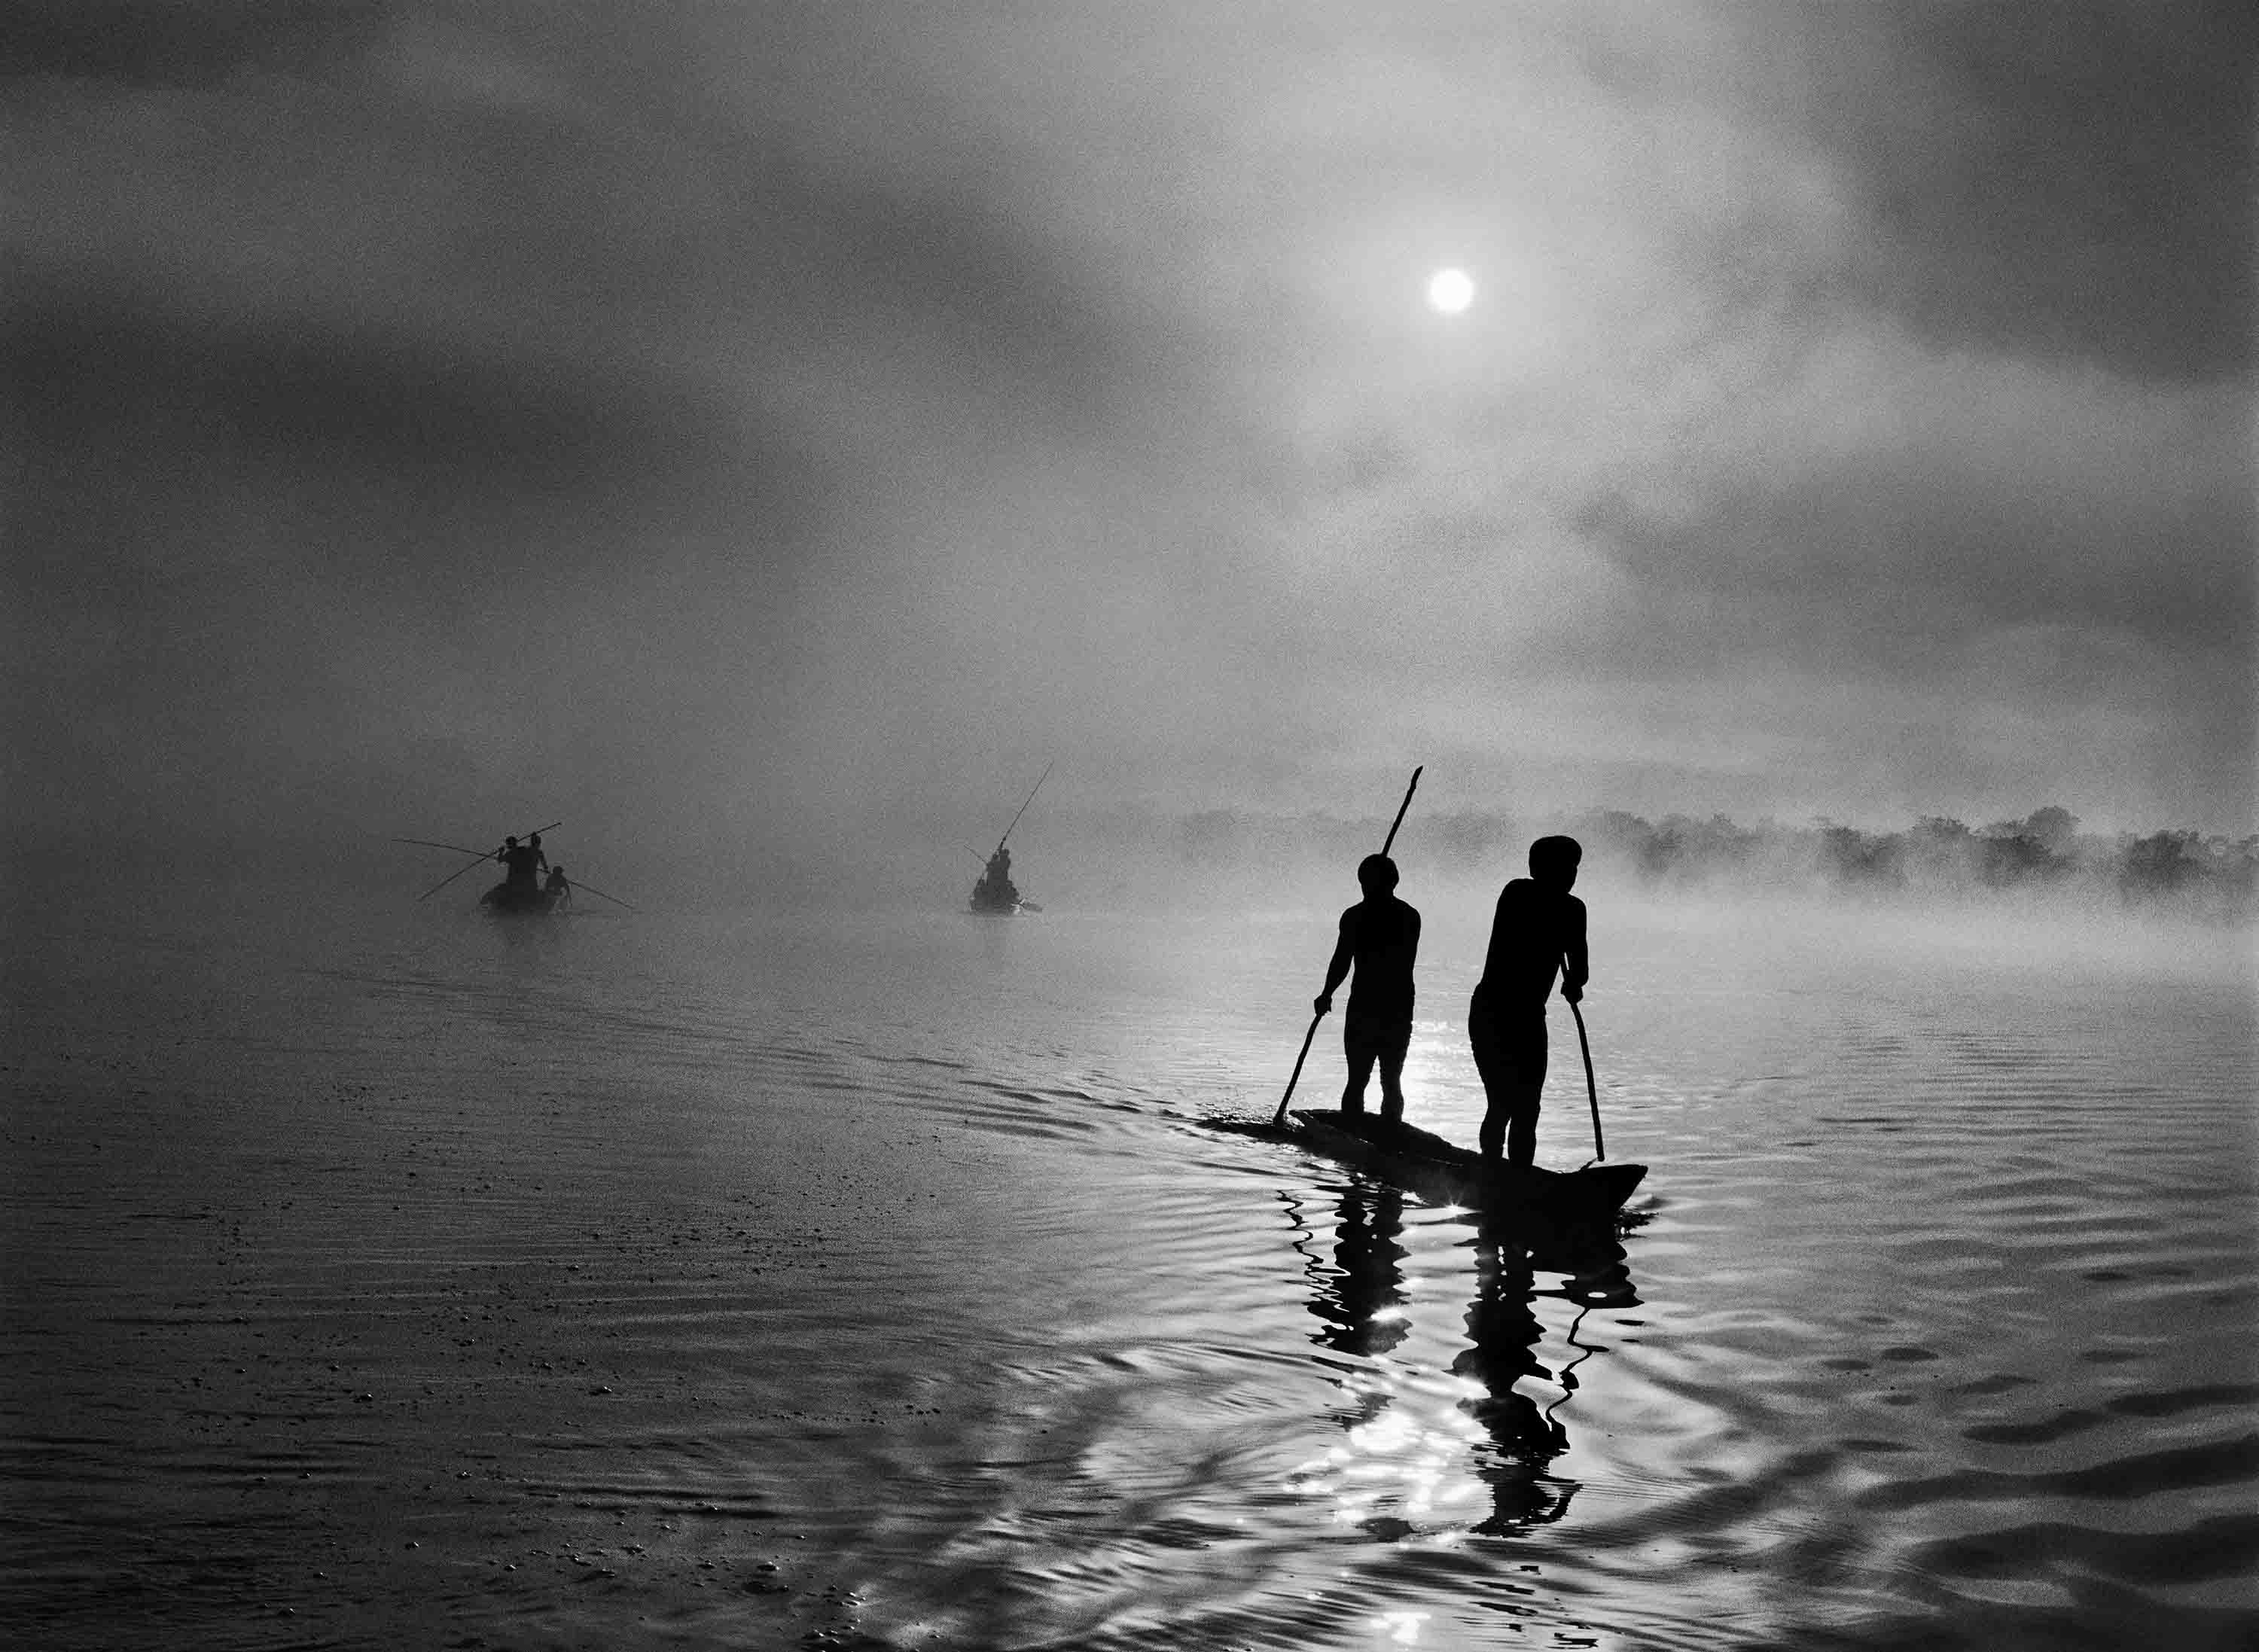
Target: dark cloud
pixel 89 356
pixel 387 420
pixel 160 43
pixel 1889 552
pixel 2064 180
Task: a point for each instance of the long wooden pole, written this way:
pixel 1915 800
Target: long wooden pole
pixel 593 890
pixel 1388 841
pixel 1032 790
pixel 1279 1117
pixel 1592 1091
pixel 483 856
pixel 452 876
pixel 426 842
pixel 1295 1077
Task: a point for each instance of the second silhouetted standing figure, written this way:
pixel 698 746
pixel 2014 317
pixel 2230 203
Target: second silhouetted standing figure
pixel 1539 932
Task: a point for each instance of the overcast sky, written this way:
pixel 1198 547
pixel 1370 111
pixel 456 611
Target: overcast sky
pixel 728 420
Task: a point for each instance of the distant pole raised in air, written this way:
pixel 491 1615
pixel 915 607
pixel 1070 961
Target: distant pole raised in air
pixel 1032 790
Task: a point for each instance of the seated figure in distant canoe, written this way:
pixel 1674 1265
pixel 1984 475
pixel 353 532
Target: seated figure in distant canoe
pixel 557 890
pixel 1537 934
pixel 995 891
pixel 1379 940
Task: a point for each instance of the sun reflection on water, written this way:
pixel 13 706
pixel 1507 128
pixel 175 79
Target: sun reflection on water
pixel 1440 1443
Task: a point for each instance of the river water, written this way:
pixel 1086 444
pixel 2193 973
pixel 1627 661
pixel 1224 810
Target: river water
pixel 880 1282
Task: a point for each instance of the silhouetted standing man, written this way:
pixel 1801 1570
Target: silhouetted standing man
pixel 1538 933
pixel 521 863
pixel 1379 939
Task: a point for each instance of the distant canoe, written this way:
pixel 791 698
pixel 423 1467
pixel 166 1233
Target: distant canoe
pixel 1426 1163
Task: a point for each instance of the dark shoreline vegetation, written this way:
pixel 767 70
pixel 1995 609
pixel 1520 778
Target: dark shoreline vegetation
pixel 1142 858
pixel 2174 871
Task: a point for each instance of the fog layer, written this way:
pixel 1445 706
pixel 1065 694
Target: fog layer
pixel 764 435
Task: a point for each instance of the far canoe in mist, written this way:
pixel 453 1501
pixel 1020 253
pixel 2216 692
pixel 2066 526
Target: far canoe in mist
pixel 995 894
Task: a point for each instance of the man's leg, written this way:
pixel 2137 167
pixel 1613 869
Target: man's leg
pixel 1522 1126
pixel 1392 1072
pixel 1528 1059
pixel 1497 1083
pixel 1360 1051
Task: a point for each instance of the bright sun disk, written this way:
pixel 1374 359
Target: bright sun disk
pixel 1450 291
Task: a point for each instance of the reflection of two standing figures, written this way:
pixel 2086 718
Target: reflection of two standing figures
pixel 1359 1303
pixel 1503 1331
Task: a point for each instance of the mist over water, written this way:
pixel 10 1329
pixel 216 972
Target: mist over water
pixel 761 438
pixel 726 1278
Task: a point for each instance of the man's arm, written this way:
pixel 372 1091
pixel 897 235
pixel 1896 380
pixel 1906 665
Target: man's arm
pixel 1576 963
pixel 1337 970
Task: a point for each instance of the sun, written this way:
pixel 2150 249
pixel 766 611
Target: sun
pixel 1450 291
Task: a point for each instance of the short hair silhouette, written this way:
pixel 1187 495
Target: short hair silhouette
pixel 1376 874
pixel 1554 854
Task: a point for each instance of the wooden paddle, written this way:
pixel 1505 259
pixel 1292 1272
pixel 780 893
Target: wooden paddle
pixel 1279 1117
pixel 1592 1092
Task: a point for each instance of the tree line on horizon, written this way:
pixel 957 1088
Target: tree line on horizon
pixel 2207 875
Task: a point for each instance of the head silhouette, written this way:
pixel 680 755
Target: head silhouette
pixel 1376 875
pixel 535 840
pixel 1553 861
pixel 510 843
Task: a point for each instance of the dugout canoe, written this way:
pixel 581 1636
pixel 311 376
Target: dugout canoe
pixel 1409 1157
pixel 519 900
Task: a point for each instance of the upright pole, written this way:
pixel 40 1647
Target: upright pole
pixel 1386 842
pixel 1592 1091
pixel 1295 1077
pixel 1279 1117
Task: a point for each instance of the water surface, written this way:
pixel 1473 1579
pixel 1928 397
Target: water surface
pixel 877 1282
